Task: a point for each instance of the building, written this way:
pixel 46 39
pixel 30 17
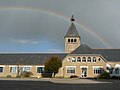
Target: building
pixel 78 59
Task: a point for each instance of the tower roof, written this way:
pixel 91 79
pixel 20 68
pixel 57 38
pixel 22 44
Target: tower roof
pixel 72 31
pixel 72 18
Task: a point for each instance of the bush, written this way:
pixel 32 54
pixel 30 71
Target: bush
pixel 115 77
pixel 73 76
pixel 8 76
pixel 104 75
pixel 46 74
pixel 18 76
pixel 26 74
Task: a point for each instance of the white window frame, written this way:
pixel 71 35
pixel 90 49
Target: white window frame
pixel 68 59
pixel 84 59
pixel 70 67
pixel 13 71
pixel 2 65
pixel 78 59
pixel 2 70
pixel 94 60
pixel 39 66
pixel 73 59
pixel 97 68
pixel 83 66
pixel 89 59
pixel 117 66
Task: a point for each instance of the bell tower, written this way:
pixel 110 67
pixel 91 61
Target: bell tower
pixel 72 38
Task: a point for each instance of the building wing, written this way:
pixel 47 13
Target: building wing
pixel 27 59
pixel 108 54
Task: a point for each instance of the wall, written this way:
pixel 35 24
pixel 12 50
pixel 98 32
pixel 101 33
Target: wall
pixel 71 46
pixel 78 72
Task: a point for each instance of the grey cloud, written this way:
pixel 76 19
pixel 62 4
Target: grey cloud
pixel 24 41
pixel 101 16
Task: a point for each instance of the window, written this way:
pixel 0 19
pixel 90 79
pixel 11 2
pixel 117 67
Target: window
pixel 1 69
pixel 111 71
pixel 68 59
pixel 40 69
pixel 68 40
pixel 89 59
pixel 84 59
pixel 94 59
pixel 73 59
pixel 75 40
pixel 71 70
pixel 117 71
pixel 71 40
pixel 26 69
pixel 13 69
pixel 99 59
pixel 78 59
pixel 97 70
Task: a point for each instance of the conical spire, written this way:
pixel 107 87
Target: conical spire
pixel 72 19
pixel 72 31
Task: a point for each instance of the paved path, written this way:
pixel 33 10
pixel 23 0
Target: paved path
pixel 76 81
pixel 58 80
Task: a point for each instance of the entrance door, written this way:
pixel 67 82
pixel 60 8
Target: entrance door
pixel 84 72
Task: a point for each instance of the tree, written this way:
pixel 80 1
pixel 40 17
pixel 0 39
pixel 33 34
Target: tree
pixel 19 68
pixel 52 65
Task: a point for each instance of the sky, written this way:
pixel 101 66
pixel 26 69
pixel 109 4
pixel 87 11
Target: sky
pixel 40 25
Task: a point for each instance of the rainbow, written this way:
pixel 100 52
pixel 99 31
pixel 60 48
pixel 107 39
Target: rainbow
pixel 80 24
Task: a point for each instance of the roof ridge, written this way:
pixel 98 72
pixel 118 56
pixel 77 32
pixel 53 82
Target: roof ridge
pixel 107 49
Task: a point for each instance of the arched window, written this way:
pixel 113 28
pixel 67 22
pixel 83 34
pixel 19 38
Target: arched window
pixel 68 40
pixel 84 59
pixel 73 59
pixel 94 59
pixel 75 40
pixel 89 59
pixel 78 59
pixel 99 59
pixel 71 40
pixel 68 59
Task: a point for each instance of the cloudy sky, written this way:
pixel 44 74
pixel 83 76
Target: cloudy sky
pixel 40 25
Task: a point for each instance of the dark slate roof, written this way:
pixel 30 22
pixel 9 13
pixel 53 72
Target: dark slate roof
pixel 72 31
pixel 108 54
pixel 27 58
pixel 83 49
